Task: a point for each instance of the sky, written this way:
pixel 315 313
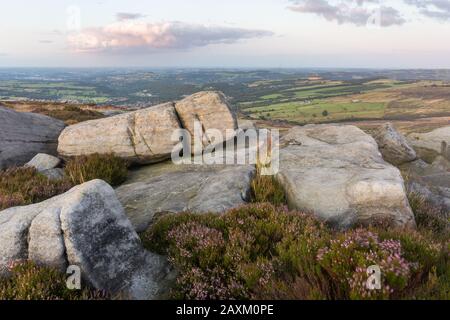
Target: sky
pixel 232 33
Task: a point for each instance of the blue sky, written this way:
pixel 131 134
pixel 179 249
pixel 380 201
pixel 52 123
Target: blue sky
pixel 232 33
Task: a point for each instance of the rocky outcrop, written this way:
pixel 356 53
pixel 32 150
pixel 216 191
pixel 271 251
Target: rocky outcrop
pixel 169 188
pixel 141 137
pixel 86 227
pixel 211 110
pixel 23 135
pixel 393 145
pixel 337 173
pixel 430 145
pixel 145 136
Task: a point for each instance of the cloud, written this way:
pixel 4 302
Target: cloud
pixel 121 16
pixel 383 12
pixel 138 36
pixel 436 9
pixel 357 12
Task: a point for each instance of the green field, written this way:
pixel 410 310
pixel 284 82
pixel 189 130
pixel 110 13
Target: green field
pixel 330 101
pixel 320 111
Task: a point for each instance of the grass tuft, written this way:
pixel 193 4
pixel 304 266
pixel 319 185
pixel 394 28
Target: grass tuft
pixel 107 167
pixel 29 281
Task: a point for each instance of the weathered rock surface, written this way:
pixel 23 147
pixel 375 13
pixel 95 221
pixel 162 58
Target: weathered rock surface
pixel 42 162
pixel 393 145
pixel 430 181
pixel 23 135
pixel 211 110
pixel 145 136
pixel 337 173
pixel 142 136
pixel 169 188
pixel 431 144
pixel 86 227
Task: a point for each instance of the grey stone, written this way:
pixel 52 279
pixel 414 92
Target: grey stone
pixel 431 144
pixel 141 137
pixel 212 111
pixel 146 136
pixel 337 173
pixel 170 188
pixel 42 162
pixel 86 227
pixel 393 145
pixel 23 135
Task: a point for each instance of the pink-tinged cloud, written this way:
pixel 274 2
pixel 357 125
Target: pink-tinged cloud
pixel 357 12
pixel 137 36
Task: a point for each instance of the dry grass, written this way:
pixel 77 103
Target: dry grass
pixel 107 167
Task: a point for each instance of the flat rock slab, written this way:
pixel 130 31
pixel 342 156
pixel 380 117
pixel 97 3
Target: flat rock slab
pixel 86 227
pixel 23 135
pixel 170 188
pixel 338 173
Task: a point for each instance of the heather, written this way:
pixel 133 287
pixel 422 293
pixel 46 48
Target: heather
pixel 261 251
pixel 23 186
pixel 29 281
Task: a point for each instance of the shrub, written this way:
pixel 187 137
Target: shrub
pixel 23 186
pixel 260 251
pixel 429 218
pixel 234 256
pixel 106 167
pixel 29 281
pixel 267 189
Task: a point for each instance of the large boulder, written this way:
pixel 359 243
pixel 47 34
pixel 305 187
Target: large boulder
pixel 211 110
pixel 169 188
pixel 86 227
pixel 431 144
pixel 146 136
pixel 337 173
pixel 393 145
pixel 143 136
pixel 23 135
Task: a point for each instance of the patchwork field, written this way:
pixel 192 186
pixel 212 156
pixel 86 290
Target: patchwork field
pixel 334 101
